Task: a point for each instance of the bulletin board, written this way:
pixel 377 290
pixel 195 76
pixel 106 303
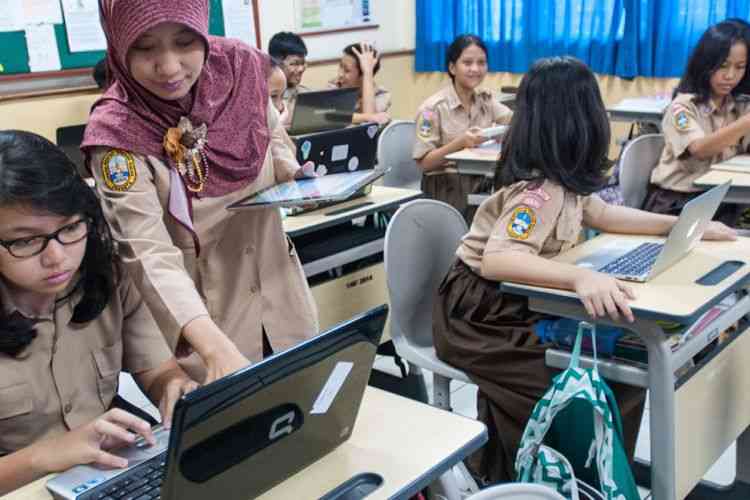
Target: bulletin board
pixel 315 17
pixel 14 56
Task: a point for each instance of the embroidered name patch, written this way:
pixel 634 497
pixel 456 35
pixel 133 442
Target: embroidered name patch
pixel 118 170
pixel 424 125
pixel 522 222
pixel 681 120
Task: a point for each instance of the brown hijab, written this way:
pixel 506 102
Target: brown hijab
pixel 230 96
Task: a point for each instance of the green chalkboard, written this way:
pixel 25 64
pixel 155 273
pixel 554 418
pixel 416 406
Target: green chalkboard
pixel 14 57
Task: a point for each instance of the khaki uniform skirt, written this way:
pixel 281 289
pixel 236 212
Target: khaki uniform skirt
pixel 666 201
pixel 488 335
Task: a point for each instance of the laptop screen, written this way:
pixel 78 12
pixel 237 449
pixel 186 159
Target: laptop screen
pixel 243 434
pixel 323 110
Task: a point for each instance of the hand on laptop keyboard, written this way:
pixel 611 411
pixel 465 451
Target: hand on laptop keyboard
pixel 89 443
pixel 604 295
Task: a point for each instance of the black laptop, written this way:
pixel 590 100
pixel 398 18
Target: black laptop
pixel 241 435
pixel 323 110
pixel 343 150
pixel 69 139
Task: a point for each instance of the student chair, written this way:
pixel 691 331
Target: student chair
pixel 517 491
pixel 420 245
pixel 637 160
pixel 394 150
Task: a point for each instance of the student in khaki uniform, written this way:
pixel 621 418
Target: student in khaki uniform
pixel 707 122
pixel 449 121
pixel 69 323
pixel 291 50
pixel 358 66
pixel 185 129
pixel 545 177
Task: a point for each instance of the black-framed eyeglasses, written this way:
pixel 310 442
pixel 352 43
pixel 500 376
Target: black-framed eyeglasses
pixel 34 245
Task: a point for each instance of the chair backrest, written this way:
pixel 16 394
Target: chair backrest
pixel 517 491
pixel 394 150
pixel 637 160
pixel 420 246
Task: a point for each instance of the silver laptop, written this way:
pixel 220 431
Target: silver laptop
pixel 241 435
pixel 641 262
pixel 323 110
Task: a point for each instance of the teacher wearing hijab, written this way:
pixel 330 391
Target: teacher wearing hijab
pixel 185 129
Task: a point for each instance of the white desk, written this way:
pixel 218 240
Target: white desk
pixel 696 418
pixel 639 109
pixel 409 444
pixel 476 161
pixel 739 191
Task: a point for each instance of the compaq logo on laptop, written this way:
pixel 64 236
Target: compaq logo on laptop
pixel 240 441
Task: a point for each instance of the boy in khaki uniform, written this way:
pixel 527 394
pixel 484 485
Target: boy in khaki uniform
pixel 449 121
pixel 291 51
pixel 70 323
pixel 706 123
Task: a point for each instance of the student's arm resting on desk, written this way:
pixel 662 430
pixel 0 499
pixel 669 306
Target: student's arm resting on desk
pixel 157 266
pixel 626 220
pixel 512 254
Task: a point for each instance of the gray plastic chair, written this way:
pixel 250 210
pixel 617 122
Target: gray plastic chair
pixel 420 246
pixel 517 491
pixel 637 160
pixel 394 150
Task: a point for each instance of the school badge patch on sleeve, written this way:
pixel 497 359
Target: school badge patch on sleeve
pixel 522 222
pixel 681 120
pixel 118 170
pixel 424 126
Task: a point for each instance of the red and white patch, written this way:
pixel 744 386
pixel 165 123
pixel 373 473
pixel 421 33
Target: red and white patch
pixel 539 193
pixel 532 201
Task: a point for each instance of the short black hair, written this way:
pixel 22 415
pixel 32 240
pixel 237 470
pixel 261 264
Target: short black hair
pixel 286 43
pixel 349 51
pixel 708 56
pixel 275 63
pixel 457 47
pixel 35 173
pixel 559 130
pixel 100 73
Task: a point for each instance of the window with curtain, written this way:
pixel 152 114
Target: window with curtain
pixel 623 37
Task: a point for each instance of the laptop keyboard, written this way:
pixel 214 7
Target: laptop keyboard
pixel 636 262
pixel 141 483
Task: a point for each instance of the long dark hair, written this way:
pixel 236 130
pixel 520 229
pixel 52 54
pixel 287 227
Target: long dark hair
pixel 708 56
pixel 35 173
pixel 457 47
pixel 560 129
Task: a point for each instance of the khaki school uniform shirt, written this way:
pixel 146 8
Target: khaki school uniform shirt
pixel 68 375
pixel 290 101
pixel 542 220
pixel 442 118
pixel 684 122
pixel 247 277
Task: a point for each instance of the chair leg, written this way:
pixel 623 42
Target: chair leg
pixel 455 484
pixel 441 392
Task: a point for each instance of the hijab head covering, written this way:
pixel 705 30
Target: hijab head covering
pixel 230 96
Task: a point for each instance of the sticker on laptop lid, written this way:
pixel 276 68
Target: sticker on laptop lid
pixel 340 152
pixel 372 130
pixel 332 387
pixel 305 148
pixel 353 164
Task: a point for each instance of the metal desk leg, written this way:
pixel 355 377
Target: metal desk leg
pixel 662 402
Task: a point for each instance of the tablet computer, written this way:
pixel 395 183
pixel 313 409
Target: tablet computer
pixel 329 188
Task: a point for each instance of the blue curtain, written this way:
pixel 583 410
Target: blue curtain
pixel 624 37
pixel 661 34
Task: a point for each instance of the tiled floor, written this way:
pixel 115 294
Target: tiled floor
pixel 463 401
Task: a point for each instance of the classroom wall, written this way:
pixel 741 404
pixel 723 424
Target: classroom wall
pixel 394 37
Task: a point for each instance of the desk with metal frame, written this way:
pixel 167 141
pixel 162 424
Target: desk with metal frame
pixel 695 418
pixel 475 161
pixel 639 109
pixel 409 444
pixel 739 191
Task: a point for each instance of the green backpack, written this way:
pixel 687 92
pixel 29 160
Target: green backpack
pixel 573 441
